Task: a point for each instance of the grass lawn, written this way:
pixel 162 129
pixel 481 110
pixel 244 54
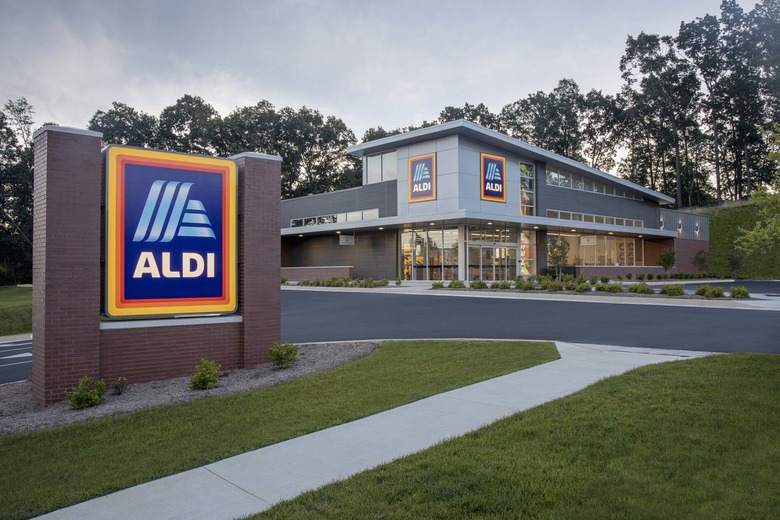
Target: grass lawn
pixel 692 439
pixel 15 310
pixel 51 469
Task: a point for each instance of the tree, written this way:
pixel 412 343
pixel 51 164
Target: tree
pixel 557 254
pixel 667 83
pixel 479 114
pixel 122 124
pixel 16 192
pixel 190 126
pixel 667 259
pixel 248 129
pixel 601 121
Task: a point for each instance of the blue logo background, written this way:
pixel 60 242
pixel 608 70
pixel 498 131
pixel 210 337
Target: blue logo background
pixel 206 188
pixel 421 181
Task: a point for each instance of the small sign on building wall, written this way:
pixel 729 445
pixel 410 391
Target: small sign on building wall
pixel 346 240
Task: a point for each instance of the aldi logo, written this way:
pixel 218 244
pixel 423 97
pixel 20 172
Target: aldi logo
pixel 493 177
pixel 170 233
pixel 422 178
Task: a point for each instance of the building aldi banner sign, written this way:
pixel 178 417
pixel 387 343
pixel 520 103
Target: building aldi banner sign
pixel 170 233
pixel 493 177
pixel 422 178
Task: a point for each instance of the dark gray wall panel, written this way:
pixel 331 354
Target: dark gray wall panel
pixel 382 195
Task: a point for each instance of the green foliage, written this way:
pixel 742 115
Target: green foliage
pixel 283 354
pixel 594 280
pixel 701 260
pixel 614 288
pixel 86 393
pixel 345 282
pixel 15 310
pixel 206 375
pixel 620 278
pixel 709 291
pixel 557 253
pixel 570 285
pixel 478 284
pixel 437 285
pixel 641 288
pixel 725 259
pixel 628 276
pixel 673 290
pixel 582 288
pixel 552 285
pixel 640 277
pixel 525 285
pixel 397 281
pixel 604 279
pixel 739 291
pixel 118 388
pixel 284 280
pixel 501 284
pixel 649 276
pixel 667 259
pixel 457 284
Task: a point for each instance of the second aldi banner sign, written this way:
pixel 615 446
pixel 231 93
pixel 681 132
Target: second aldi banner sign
pixel 170 233
pixel 493 177
pixel 422 178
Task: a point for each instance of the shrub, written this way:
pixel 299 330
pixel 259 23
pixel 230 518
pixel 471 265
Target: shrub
pixel 582 287
pixel 605 279
pixel 640 277
pixel 384 282
pixel 601 287
pixel 614 288
pixel 398 281
pixel 641 288
pixel 594 279
pixel 119 387
pixel 628 276
pixel 580 279
pixel 709 291
pixel 739 291
pixel 283 354
pixel 620 278
pixel 567 278
pixel 457 284
pixel 525 285
pixel 570 285
pixel 552 286
pixel 86 393
pixel 673 290
pixel 478 284
pixel 667 259
pixel 284 280
pixel 206 375
pixel 437 285
pixel 501 285
pixel 649 276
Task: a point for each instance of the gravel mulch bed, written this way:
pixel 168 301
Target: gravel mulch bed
pixel 19 413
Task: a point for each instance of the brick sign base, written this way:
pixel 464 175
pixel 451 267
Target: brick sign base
pixel 70 340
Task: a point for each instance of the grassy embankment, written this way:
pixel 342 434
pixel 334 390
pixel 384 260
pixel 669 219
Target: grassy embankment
pixel 54 468
pixel 15 310
pixel 697 439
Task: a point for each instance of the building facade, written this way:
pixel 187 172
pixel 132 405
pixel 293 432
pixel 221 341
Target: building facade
pixel 459 201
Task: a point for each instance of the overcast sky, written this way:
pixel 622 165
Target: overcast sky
pixel 371 63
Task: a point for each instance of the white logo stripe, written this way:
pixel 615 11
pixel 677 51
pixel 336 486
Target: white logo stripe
pixel 162 211
pixel 178 207
pixel 146 215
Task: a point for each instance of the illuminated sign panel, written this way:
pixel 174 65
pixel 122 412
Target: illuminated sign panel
pixel 170 233
pixel 493 177
pixel 422 178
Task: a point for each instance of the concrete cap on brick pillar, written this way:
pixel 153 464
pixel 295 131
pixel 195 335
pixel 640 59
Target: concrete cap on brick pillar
pixel 256 155
pixel 67 130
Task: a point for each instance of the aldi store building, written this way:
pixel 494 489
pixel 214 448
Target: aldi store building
pixel 459 201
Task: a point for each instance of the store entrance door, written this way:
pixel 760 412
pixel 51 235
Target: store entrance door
pixel 492 263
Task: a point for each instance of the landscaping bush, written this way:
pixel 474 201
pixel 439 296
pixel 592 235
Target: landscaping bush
pixel 582 287
pixel 601 287
pixel 709 291
pixel 649 276
pixel 503 285
pixel 739 291
pixel 614 288
pixel 552 286
pixel 525 285
pixel 119 387
pixel 673 290
pixel 641 288
pixel 570 285
pixel 457 284
pixel 86 393
pixel 283 354
pixel 437 285
pixel 594 280
pixel 206 375
pixel 628 276
pixel 398 281
pixel 640 277
pixel 477 284
pixel 605 279
pixel 284 280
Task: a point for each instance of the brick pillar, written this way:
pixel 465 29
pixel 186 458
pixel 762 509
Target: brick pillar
pixel 66 260
pixel 259 254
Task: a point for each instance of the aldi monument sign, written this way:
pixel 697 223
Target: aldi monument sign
pixel 170 233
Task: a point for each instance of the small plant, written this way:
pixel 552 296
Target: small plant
pixel 86 393
pixel 503 285
pixel 397 281
pixel 437 285
pixel 119 386
pixel 601 287
pixel 478 284
pixel 673 290
pixel 525 285
pixel 641 288
pixel 552 286
pixel 649 276
pixel 640 277
pixel 206 375
pixel 283 354
pixel 628 276
pixel 570 285
pixel 739 291
pixel 614 288
pixel 457 284
pixel 604 279
pixel 594 280
pixel 582 287
pixel 284 280
pixel 620 278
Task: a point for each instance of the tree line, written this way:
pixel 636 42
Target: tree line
pixel 693 120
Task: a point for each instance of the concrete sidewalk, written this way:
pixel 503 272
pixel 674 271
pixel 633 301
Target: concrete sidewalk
pixel 255 481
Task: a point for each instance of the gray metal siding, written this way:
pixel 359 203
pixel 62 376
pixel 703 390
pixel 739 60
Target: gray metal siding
pixel 374 254
pixel 567 199
pixel 673 219
pixel 382 195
